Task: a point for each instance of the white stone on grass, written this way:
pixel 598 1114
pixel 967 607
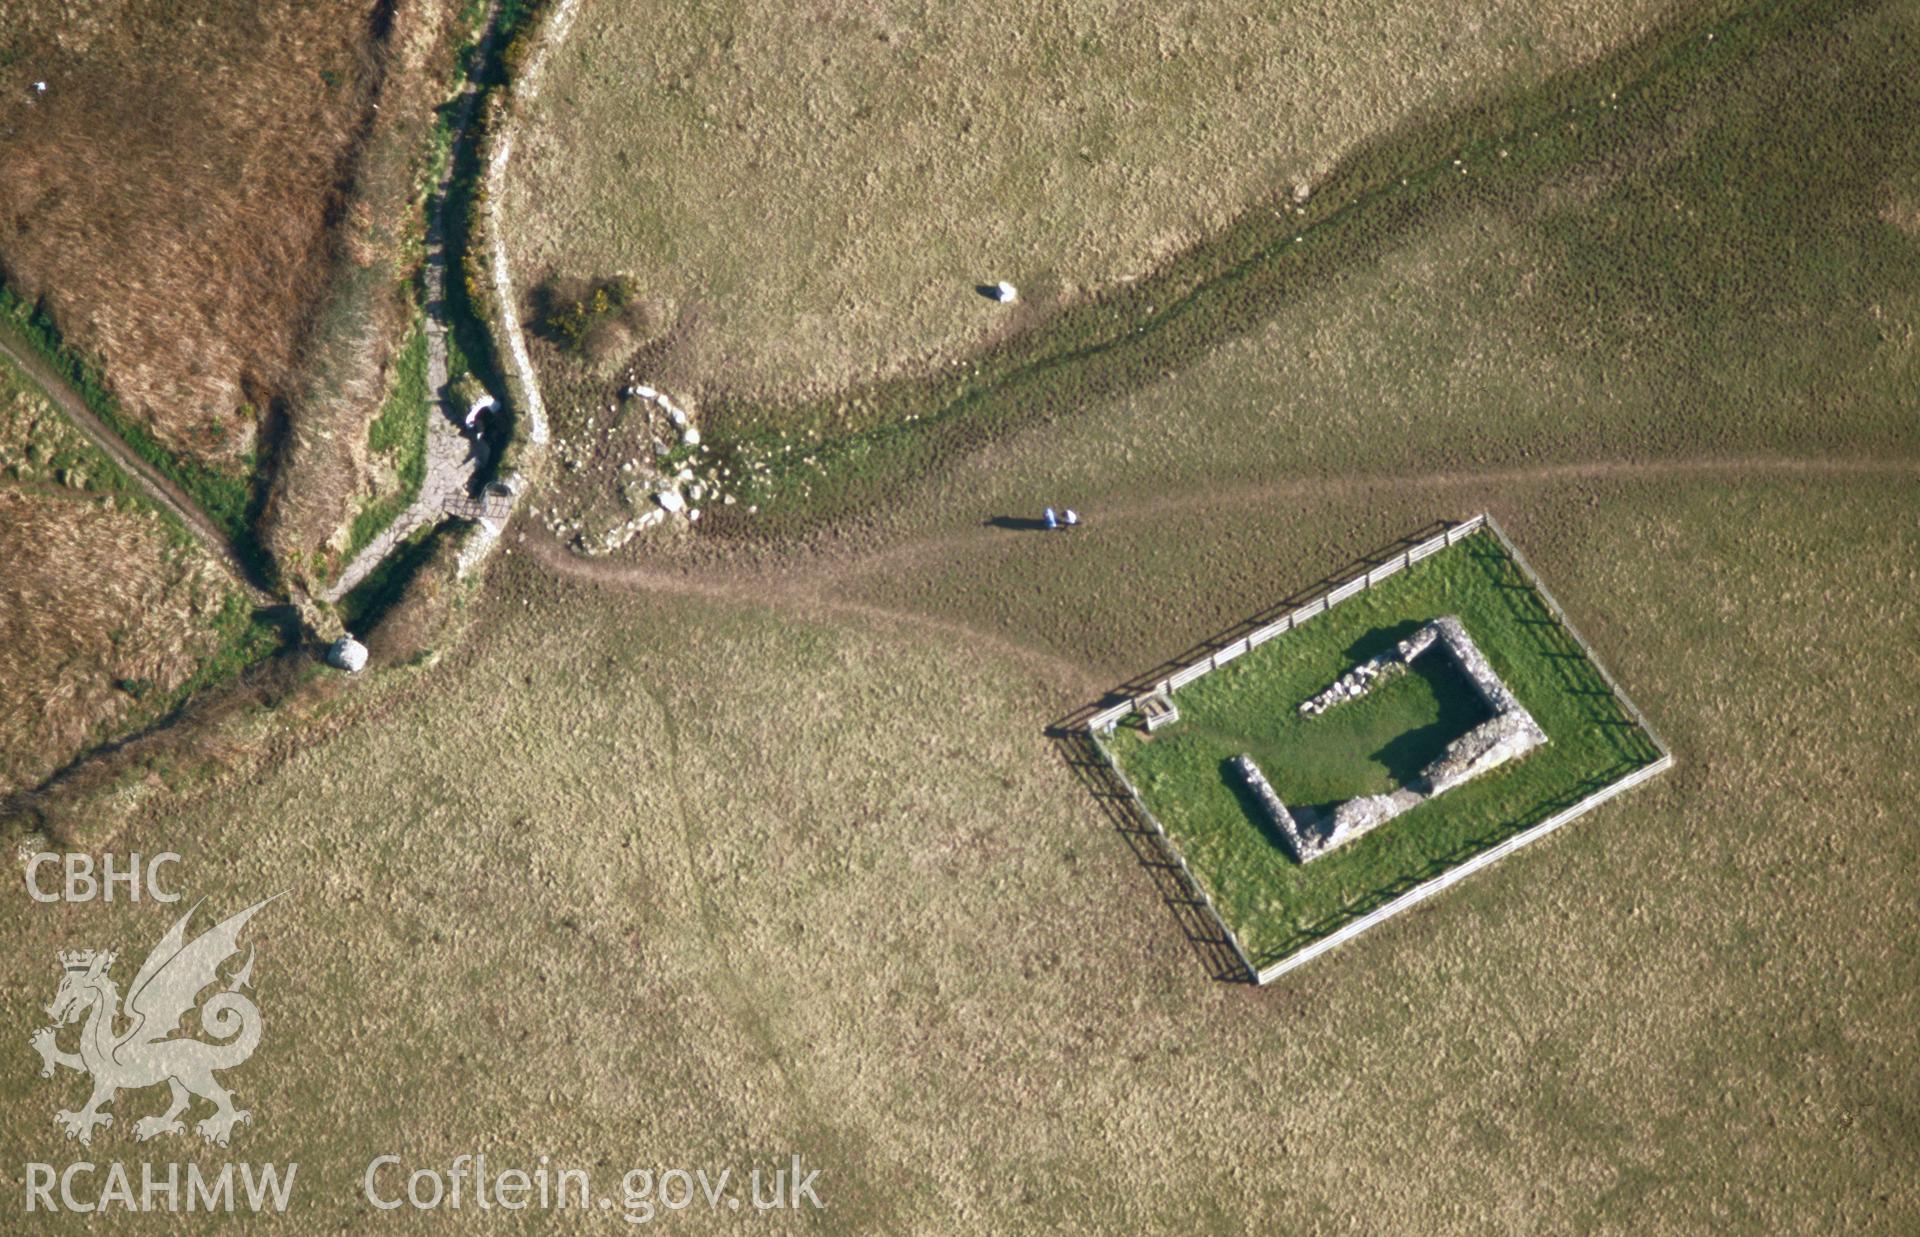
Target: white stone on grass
pixel 348 654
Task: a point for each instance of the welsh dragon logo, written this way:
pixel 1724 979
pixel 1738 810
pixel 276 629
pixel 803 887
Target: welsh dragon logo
pixel 130 1049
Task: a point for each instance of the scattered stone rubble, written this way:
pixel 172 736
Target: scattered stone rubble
pixel 1507 735
pixel 665 476
pixel 1360 680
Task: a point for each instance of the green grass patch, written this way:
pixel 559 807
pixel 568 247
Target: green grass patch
pixel 400 434
pixel 1364 747
pixel 1251 705
pixel 32 449
pixel 246 635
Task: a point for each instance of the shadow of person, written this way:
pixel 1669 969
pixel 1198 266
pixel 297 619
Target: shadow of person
pixel 1017 523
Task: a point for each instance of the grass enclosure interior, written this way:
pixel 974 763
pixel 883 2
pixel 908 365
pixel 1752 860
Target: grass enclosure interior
pixel 1367 746
pixel 1364 747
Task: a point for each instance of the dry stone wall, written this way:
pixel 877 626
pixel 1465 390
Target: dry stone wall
pixel 1277 813
pixel 1509 734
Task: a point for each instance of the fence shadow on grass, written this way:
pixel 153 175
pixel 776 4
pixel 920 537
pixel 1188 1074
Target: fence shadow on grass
pixel 1170 879
pixel 1575 664
pixel 1360 566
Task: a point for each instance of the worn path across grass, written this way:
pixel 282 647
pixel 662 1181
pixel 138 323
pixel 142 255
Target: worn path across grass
pixel 814 577
pixel 170 497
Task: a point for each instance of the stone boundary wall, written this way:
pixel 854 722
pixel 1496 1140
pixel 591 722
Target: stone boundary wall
pixel 1283 819
pixel 1508 734
pixel 1451 633
pixel 1105 720
pixel 486 233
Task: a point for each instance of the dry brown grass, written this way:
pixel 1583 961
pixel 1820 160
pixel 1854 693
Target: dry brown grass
pixel 94 597
pixel 812 193
pixel 745 866
pixel 170 193
pixel 105 609
pixel 652 881
pixel 360 315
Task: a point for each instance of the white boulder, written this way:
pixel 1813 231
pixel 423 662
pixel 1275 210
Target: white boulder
pixel 348 654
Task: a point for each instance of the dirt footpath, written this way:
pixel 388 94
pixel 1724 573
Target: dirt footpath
pixel 157 486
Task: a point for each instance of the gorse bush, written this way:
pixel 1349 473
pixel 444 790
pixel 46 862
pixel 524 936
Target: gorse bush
pixel 599 322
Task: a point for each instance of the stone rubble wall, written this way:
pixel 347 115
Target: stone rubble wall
pixel 1509 734
pixel 1471 660
pixel 1358 816
pixel 1485 747
pixel 1303 846
pixel 1358 681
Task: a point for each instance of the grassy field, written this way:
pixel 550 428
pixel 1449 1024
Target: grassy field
pixel 110 613
pixel 1275 904
pixel 213 213
pixel 740 876
pixel 1581 292
pixel 225 496
pixel 169 194
pixel 734 852
pixel 331 459
pixel 809 199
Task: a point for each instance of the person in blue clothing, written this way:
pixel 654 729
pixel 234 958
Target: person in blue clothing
pixel 1052 522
